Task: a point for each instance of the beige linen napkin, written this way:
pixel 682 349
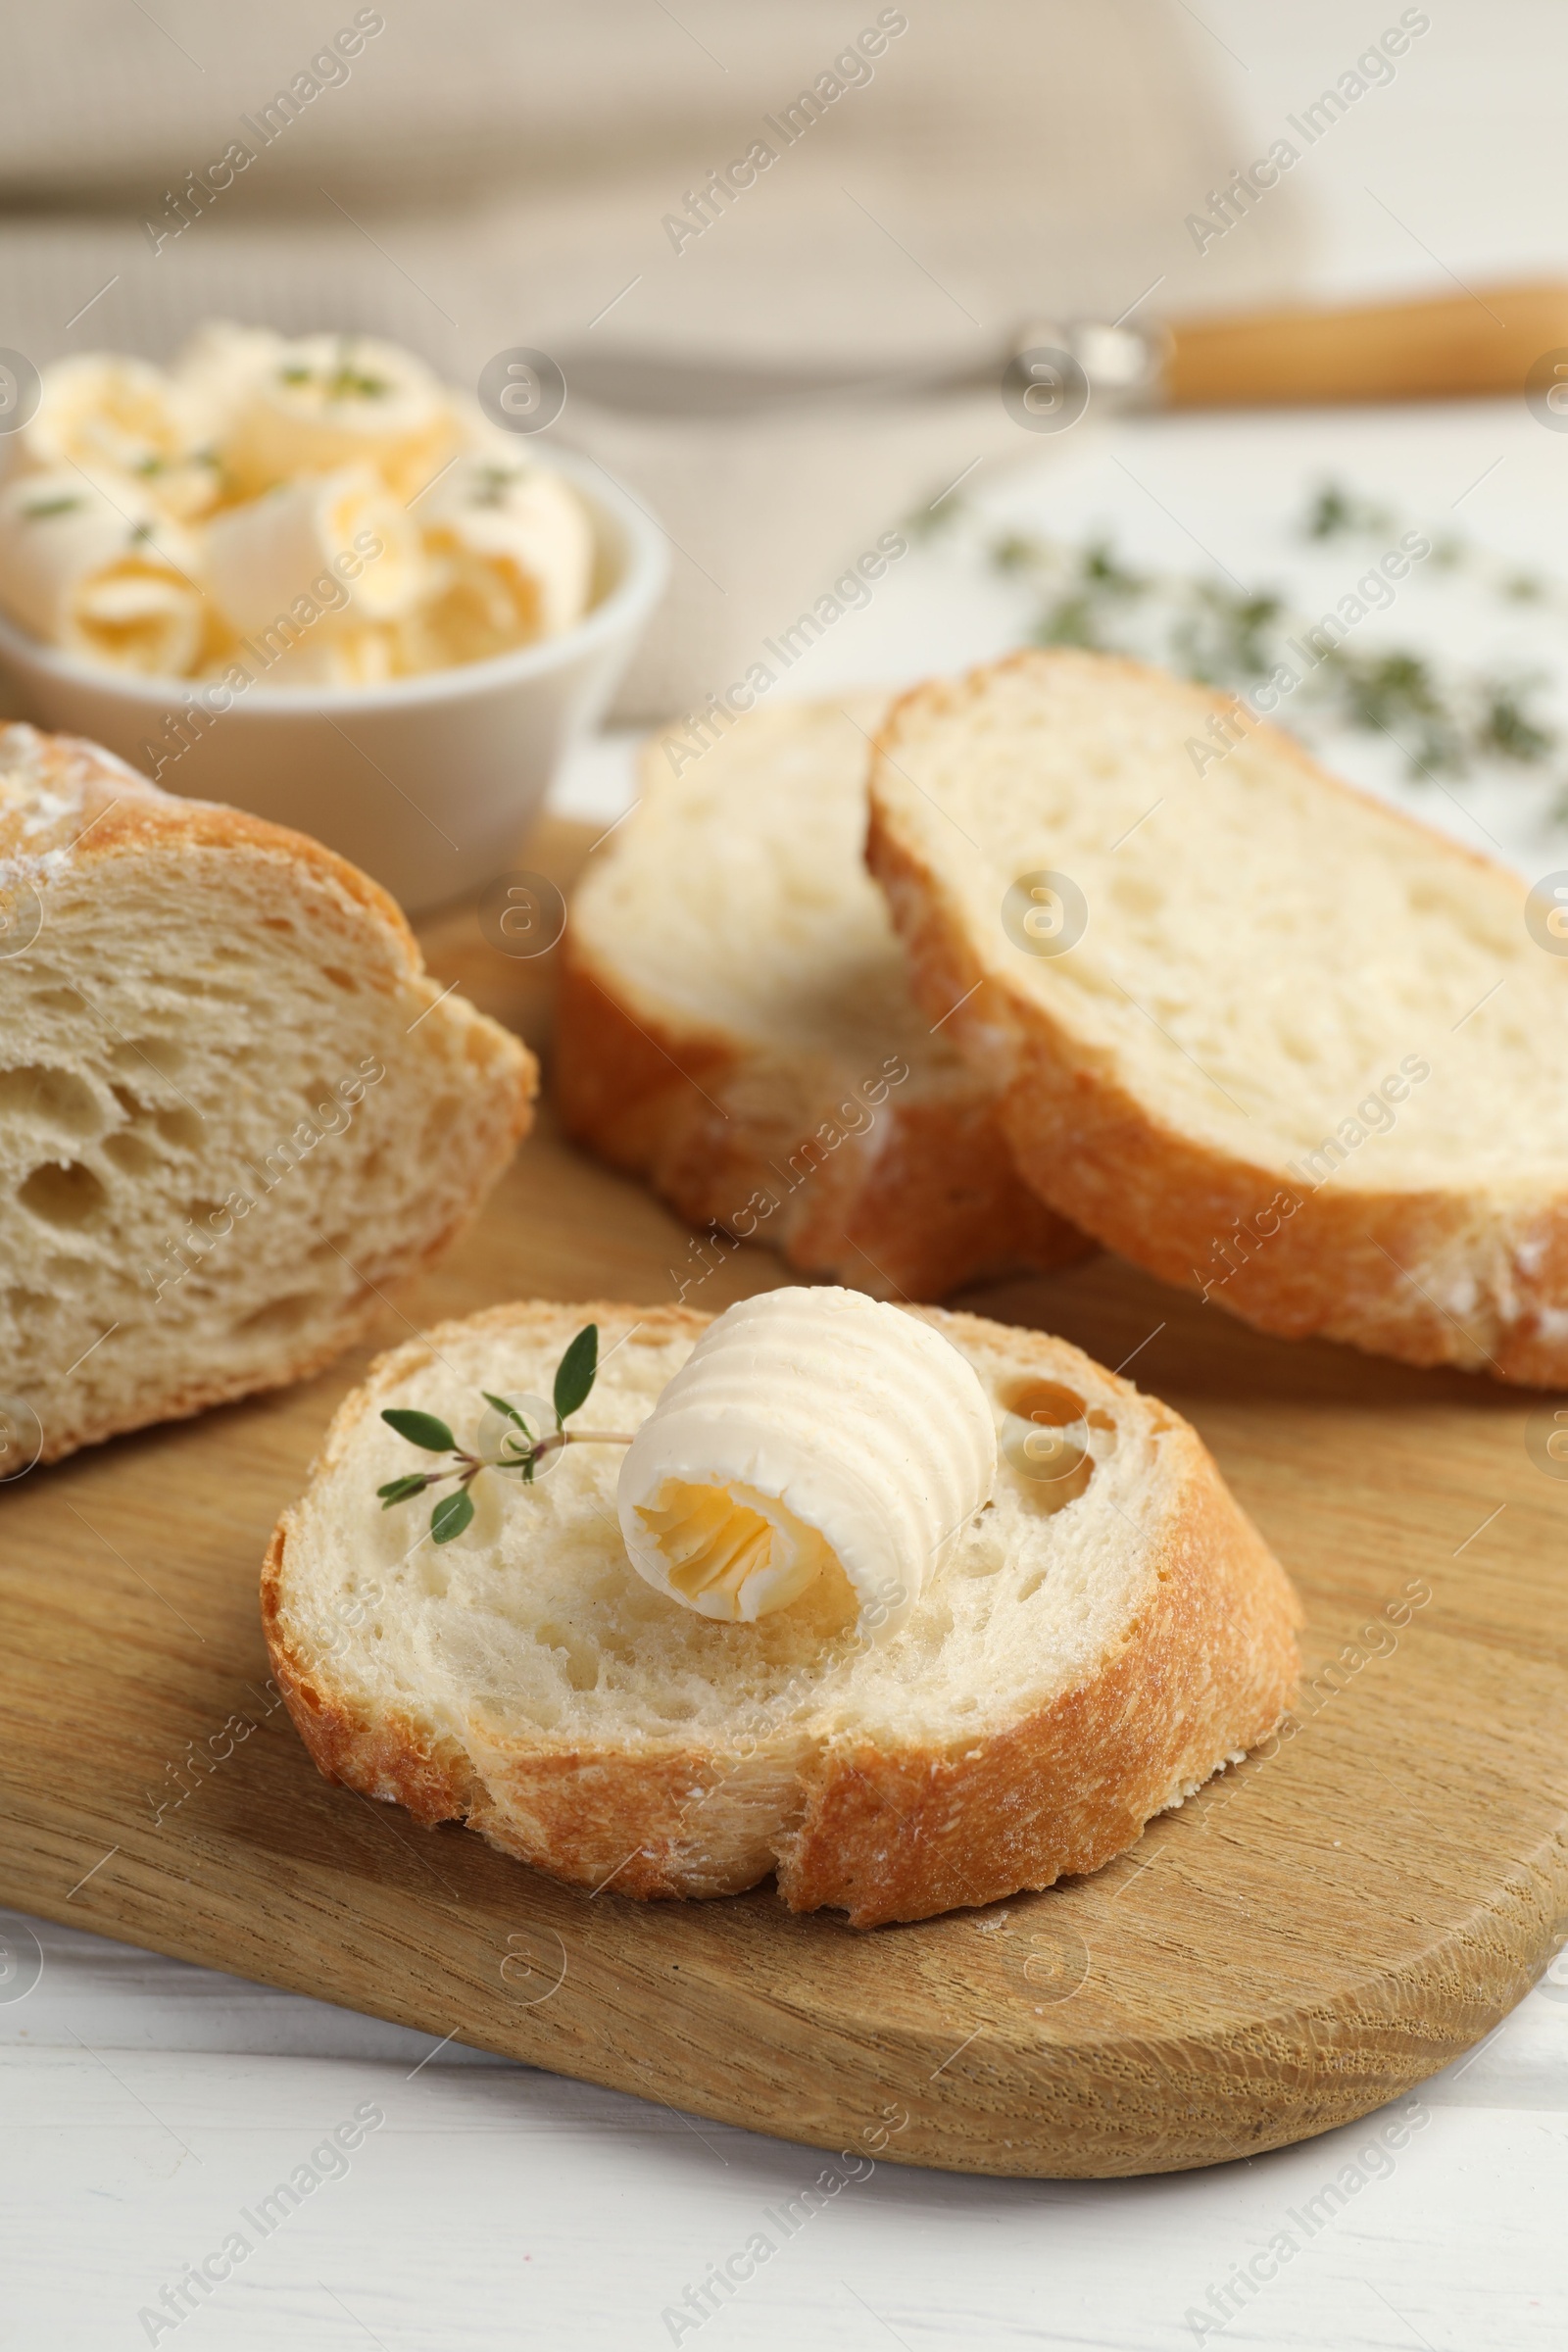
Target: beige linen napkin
pixel 475 177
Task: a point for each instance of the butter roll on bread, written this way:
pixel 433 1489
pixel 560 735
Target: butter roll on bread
pixel 1261 1034
pixel 233 1106
pixel 1084 1648
pixel 736 1025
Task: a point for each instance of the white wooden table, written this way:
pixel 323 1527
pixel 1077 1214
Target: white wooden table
pixel 148 2106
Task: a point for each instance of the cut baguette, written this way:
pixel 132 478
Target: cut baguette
pixel 734 1016
pixel 233 1108
pixel 1307 1056
pixel 1090 1653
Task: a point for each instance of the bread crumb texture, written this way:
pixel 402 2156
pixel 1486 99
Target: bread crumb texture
pixel 730 931
pixel 1286 1044
pixel 231 1109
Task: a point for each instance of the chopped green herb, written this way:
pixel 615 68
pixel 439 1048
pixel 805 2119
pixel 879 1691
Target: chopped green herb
pixel 1509 731
pixel 353 380
pixel 1444 720
pixel 1069 623
pixel 1338 513
pixel 343 382
pixel 491 484
pixel 1012 552
pixel 1111 577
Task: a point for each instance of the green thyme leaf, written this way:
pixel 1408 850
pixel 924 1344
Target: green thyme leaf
pixel 420 1429
pixel 517 1452
pixel 1330 516
pixel 1394 691
pixel 491 484
pixel 1338 513
pixel 403 1490
pixel 1015 552
pixel 1446 721
pixel 508 1410
pixel 576 1372
pixel 46 507
pixel 1110 577
pixel 451 1515
pixel 1070 622
pixel 1509 731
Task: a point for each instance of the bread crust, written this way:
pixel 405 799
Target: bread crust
pixel 925 1199
pixel 741 1137
pixel 1343 1263
pixel 79 802
pixel 105 802
pixel 1205 1672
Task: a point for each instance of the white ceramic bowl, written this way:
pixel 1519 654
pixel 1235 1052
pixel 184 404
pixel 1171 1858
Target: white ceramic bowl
pixel 429 783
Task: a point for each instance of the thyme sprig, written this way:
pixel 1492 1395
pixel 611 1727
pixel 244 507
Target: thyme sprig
pixel 519 1453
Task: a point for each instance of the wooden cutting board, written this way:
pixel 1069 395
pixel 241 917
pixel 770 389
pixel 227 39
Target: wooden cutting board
pixel 1312 1934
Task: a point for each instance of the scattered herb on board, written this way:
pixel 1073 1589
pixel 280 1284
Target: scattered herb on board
pixel 518 1451
pixel 1445 719
pixel 1337 514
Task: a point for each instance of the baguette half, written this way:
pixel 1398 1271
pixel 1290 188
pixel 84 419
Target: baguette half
pixel 233 1108
pixel 1093 1650
pixel 1271 1038
pixel 735 1024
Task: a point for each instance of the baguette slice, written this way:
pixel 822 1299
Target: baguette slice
pixel 1093 1650
pixel 1307 1057
pixel 232 1106
pixel 734 1019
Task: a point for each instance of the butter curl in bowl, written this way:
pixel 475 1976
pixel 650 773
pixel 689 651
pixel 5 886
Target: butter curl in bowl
pixel 257 451
pixel 309 578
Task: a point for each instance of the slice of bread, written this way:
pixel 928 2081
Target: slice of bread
pixel 1254 1030
pixel 234 1108
pixel 735 1024
pixel 1094 1647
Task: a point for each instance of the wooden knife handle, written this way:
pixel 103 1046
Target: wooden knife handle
pixel 1464 346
